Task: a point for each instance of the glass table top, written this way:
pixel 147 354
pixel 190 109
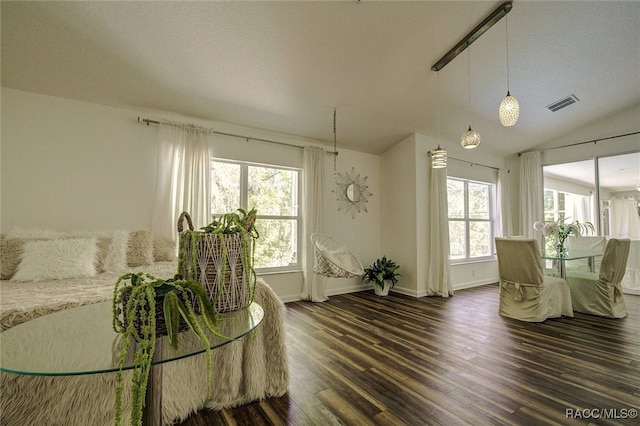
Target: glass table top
pixel 82 341
pixel 571 256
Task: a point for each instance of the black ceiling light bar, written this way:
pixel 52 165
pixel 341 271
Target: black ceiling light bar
pixel 495 16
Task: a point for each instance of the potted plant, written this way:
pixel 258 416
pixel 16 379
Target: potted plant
pixel 145 308
pixel 561 231
pixel 383 275
pixel 225 246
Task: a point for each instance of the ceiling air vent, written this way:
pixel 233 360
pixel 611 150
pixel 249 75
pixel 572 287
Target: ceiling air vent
pixel 571 99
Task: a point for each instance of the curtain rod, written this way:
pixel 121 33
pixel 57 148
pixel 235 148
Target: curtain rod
pixel 594 141
pixel 470 162
pixel 474 164
pixel 148 121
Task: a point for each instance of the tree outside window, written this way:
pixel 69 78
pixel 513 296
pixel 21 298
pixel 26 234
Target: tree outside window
pixel 566 206
pixel 274 193
pixel 470 211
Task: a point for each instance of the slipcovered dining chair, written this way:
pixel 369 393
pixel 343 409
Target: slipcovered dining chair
pixel 526 294
pixel 600 293
pixel 580 245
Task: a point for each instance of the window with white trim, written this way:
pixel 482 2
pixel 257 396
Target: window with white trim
pixel 565 206
pixel 275 193
pixel 471 213
pixel 554 205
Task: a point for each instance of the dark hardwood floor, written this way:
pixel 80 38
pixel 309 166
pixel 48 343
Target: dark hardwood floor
pixel 359 359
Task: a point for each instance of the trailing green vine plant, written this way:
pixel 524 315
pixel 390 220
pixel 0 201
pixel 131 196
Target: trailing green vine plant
pixel 135 296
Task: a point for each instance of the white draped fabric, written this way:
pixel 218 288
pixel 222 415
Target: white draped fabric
pixel 438 268
pixel 183 178
pixel 578 207
pixel 625 223
pixel 530 193
pixel 313 202
pixel 624 218
pixel 504 227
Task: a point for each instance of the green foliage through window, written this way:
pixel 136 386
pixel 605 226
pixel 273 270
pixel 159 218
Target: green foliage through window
pixel 470 212
pixel 274 193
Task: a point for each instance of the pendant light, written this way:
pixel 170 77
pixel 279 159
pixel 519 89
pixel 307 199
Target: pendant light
pixel 439 158
pixel 469 139
pixel 438 155
pixel 509 110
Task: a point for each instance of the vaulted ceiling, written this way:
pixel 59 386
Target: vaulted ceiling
pixel 284 66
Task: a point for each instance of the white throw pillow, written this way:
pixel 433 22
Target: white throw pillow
pixel 117 259
pixel 57 259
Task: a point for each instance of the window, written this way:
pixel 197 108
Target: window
pixel 559 205
pixel 554 205
pixel 274 192
pixel 470 219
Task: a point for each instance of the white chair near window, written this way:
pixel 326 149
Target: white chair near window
pixel 526 294
pixel 600 293
pixel 585 245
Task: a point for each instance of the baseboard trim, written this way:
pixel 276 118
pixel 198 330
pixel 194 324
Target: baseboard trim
pixel 349 289
pixel 462 286
pixel 333 292
pixel 406 292
pixel 290 298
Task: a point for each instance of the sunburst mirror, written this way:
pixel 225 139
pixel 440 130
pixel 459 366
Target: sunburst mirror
pixel 352 192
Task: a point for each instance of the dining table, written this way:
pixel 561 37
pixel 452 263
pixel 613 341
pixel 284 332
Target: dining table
pixel 558 263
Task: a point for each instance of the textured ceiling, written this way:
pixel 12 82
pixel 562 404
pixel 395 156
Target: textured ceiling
pixel 284 66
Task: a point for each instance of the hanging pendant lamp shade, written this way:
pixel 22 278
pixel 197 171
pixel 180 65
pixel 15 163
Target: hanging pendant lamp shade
pixel 509 110
pixel 470 139
pixel 439 158
pixel 438 155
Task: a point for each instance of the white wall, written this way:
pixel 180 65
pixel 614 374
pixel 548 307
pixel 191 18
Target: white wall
pixel 398 212
pixel 74 165
pixel 360 233
pixel 405 211
pixel 68 164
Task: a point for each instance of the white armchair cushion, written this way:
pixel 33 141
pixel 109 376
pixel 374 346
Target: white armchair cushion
pixel 584 245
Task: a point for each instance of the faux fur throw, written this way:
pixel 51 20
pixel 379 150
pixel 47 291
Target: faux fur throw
pixel 250 369
pixel 20 302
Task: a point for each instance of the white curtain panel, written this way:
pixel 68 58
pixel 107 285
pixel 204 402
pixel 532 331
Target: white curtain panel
pixel 624 218
pixel 313 185
pixel 438 269
pixel 183 178
pixel 577 208
pixel 530 193
pixel 504 227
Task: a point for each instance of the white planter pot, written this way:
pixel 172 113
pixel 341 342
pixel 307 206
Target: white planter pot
pixel 382 292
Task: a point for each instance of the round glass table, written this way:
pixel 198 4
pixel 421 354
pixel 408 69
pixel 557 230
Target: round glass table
pixel 82 341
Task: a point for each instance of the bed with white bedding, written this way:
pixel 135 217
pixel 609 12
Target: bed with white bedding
pixel 22 301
